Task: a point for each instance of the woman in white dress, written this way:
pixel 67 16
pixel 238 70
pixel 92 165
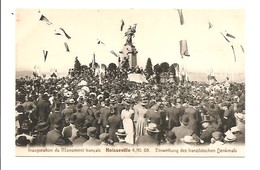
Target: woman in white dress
pixel 126 116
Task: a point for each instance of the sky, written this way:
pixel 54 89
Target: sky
pixel 157 37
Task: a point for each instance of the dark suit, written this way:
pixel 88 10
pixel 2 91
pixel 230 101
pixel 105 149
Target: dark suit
pixel 174 117
pixel 193 115
pixel 43 110
pixel 104 114
pixel 67 112
pixel 114 123
pixel 54 137
pixel 206 134
pixel 54 117
pixel 146 140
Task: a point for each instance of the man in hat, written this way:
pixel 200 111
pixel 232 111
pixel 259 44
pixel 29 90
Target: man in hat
pixel 69 110
pixel 70 131
pixel 173 115
pixel 208 129
pixel 43 108
pixel 114 123
pixel 54 137
pixel 104 113
pixel 103 139
pixel 217 139
pixel 93 141
pixel 183 130
pixel 22 141
pixel 42 129
pixel 170 139
pixel 149 139
pixel 82 136
pixel 240 137
pixel 55 115
pixel 121 135
pixel 193 116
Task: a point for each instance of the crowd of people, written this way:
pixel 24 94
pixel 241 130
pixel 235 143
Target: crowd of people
pixel 84 111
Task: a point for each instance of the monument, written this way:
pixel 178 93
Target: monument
pixel 128 58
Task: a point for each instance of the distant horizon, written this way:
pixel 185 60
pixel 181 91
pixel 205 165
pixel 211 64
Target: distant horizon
pixel 193 76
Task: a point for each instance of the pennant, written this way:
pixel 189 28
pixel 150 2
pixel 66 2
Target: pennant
pixel 242 48
pixel 210 25
pixel 122 25
pixel 45 53
pixel 65 33
pixel 225 37
pixel 114 53
pixel 43 18
pixel 100 42
pixel 57 33
pixel 181 16
pixel 184 48
pixel 233 52
pixel 229 35
pixel 67 47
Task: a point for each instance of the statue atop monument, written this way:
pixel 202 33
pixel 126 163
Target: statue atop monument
pixel 130 33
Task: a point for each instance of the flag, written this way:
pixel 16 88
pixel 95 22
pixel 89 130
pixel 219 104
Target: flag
pixel 67 47
pixel 181 16
pixel 93 61
pixel 100 42
pixel 210 25
pixel 184 48
pixel 229 35
pixel 122 25
pixel 113 52
pixel 225 37
pixel 233 52
pixel 57 33
pixel 242 48
pixel 43 18
pixel 45 53
pixel 65 33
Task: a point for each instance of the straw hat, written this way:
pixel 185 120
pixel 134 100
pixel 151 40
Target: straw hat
pixel 152 127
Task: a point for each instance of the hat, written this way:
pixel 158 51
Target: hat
pixel 205 118
pixel 20 108
pixel 188 139
pixel 171 137
pixel 112 101
pixel 230 137
pixel 41 126
pixel 103 136
pixel 57 123
pixel 91 130
pixel 83 131
pixel 178 100
pixel 144 102
pixel 70 101
pixel 235 129
pixel 217 135
pixel 185 120
pixel 121 132
pixel 152 127
pixel 73 118
pixel 22 141
pixel 79 106
pixel 239 116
